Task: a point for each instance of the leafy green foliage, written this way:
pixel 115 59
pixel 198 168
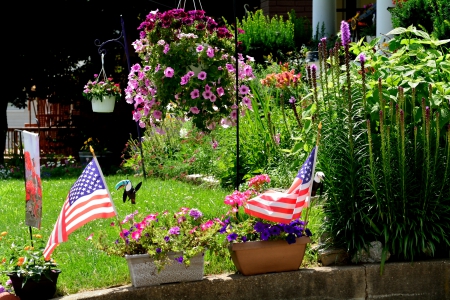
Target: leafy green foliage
pixel 386 147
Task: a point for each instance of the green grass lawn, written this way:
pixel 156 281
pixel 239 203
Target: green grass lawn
pixel 83 266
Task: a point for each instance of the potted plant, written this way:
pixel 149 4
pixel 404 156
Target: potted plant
pixel 32 277
pixel 164 247
pixel 259 246
pixel 187 68
pixel 103 93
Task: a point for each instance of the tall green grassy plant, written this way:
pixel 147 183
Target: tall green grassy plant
pixel 387 151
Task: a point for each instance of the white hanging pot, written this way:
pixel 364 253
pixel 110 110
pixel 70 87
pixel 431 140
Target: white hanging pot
pixel 103 105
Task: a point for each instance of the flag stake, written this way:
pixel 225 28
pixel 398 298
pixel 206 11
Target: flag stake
pixel 319 130
pixel 114 206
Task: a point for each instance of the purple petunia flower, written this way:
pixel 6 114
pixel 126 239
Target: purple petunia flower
pixel 174 230
pixel 195 213
pixel 158 250
pixel 179 259
pixel 265 235
pixel 168 72
pixel 345 33
pixel 260 226
pixel 292 100
pixel 290 239
pixel 232 236
pixel 244 238
pixel 202 75
pixel 308 232
pixel 275 230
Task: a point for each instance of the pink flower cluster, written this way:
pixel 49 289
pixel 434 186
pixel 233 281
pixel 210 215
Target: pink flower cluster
pixel 257 181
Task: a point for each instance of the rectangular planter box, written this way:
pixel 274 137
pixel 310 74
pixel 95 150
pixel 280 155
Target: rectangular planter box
pixel 144 272
pixel 261 257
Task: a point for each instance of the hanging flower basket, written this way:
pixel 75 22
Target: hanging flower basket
pixel 103 104
pixel 144 272
pixel 187 68
pixel 261 257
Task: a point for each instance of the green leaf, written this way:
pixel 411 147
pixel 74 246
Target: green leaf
pixel 398 30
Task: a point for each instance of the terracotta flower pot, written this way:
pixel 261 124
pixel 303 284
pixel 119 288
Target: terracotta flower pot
pixel 261 257
pixel 8 296
pixel 32 290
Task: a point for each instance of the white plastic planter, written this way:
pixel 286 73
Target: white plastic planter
pixel 104 105
pixel 144 272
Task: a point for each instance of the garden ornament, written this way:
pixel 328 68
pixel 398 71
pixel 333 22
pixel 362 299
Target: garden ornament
pixel 129 191
pixel 317 183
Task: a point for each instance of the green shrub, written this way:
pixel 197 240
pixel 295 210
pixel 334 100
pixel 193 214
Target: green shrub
pixel 386 147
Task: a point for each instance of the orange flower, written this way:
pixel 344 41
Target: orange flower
pixel 3 260
pixel 21 260
pixel 3 233
pixel 26 248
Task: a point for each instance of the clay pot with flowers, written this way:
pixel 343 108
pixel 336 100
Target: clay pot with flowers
pixel 259 246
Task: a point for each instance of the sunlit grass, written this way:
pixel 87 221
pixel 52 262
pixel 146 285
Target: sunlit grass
pixel 83 266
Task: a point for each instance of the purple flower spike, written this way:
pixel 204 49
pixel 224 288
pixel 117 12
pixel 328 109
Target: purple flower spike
pixel 345 33
pixel 362 58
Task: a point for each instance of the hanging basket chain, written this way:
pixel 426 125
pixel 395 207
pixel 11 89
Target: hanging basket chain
pixel 102 71
pixel 184 4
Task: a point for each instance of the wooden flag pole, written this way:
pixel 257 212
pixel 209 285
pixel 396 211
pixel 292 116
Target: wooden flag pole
pixel 319 130
pixel 109 194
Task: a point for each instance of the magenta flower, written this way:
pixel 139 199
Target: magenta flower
pixel 184 80
pixel 174 230
pixel 206 94
pixel 210 52
pixel 195 110
pixel 243 89
pixel 190 74
pixel 199 48
pixel 246 101
pixel 195 94
pixel 135 68
pixel 166 48
pixel 207 88
pixel 202 75
pixel 214 144
pixel 168 72
pixel 157 114
pixel 220 91
pixel 213 98
pixel 230 67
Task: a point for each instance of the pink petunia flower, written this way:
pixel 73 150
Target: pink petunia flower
pixel 195 110
pixel 166 48
pixel 243 89
pixel 210 52
pixel 195 94
pixel 157 114
pixel 220 91
pixel 206 94
pixel 202 75
pixel 199 48
pixel 213 97
pixel 168 72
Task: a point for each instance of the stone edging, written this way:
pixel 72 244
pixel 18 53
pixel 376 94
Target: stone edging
pixel 418 280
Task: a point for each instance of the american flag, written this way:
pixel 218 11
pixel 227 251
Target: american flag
pixel 88 199
pixel 285 207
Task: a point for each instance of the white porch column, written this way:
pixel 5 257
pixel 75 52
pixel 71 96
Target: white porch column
pixel 384 22
pixel 324 11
